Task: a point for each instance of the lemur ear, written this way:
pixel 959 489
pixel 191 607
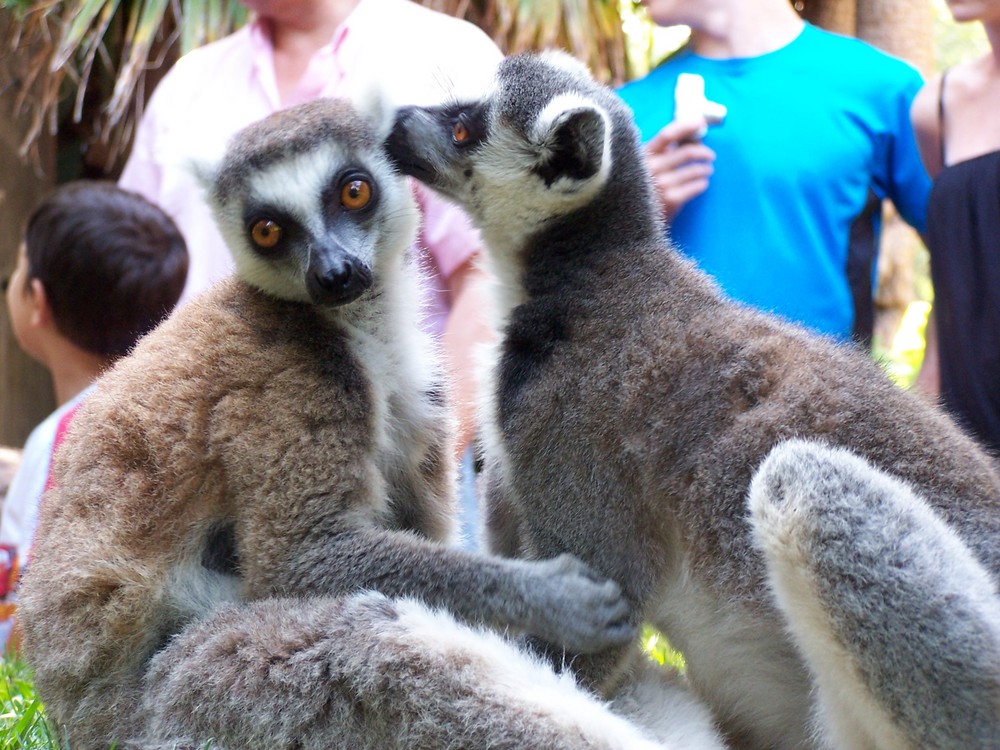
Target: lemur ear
pixel 204 172
pixel 375 104
pixel 573 134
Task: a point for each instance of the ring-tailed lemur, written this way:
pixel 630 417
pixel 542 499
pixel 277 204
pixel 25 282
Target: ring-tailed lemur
pixel 632 404
pixel 233 494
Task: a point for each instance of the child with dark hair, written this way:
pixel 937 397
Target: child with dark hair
pixel 108 264
pixel 98 268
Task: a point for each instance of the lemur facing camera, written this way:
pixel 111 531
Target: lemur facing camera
pixel 243 544
pixel 850 600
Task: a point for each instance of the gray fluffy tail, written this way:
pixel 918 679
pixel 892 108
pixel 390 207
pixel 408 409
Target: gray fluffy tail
pixel 896 619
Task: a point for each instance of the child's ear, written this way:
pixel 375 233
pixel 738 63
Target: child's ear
pixel 41 310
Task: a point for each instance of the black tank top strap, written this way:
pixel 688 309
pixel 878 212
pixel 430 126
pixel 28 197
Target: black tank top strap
pixel 941 120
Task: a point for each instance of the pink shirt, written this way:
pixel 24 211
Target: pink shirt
pixel 413 54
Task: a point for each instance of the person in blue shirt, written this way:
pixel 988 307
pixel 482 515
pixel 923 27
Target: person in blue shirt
pixel 776 200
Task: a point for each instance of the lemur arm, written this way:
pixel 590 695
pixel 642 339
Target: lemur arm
pixel 560 600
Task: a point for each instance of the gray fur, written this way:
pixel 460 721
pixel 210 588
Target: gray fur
pixel 883 599
pixel 229 490
pixel 364 673
pixel 632 402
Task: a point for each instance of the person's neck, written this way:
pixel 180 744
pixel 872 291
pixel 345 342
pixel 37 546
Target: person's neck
pixel 746 28
pixel 72 369
pixel 296 38
pixel 307 31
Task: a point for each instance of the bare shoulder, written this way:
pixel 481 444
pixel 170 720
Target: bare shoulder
pixel 971 124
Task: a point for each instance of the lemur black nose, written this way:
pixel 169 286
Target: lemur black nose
pixel 337 279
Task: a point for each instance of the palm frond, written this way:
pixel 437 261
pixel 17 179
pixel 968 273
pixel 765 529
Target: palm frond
pixel 98 54
pixel 591 30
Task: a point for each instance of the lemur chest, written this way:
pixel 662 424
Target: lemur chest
pixel 402 395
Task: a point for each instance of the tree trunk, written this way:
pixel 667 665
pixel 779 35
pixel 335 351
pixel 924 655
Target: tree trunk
pixel 834 15
pixel 901 27
pixel 26 396
pixel 904 28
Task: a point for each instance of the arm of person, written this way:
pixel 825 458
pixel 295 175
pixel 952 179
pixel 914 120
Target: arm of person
pixel 903 173
pixel 680 164
pixel 455 246
pixel 468 327
pixel 927 132
pixel 927 125
pixel 142 172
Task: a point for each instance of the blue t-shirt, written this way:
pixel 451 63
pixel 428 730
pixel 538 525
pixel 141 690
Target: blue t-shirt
pixel 812 131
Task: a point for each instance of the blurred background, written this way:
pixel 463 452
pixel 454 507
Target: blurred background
pixel 75 75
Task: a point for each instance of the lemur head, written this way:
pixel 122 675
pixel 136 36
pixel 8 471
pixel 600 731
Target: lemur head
pixel 310 205
pixel 539 145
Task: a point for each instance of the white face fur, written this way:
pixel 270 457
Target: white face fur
pixel 519 200
pixel 334 202
pixel 510 180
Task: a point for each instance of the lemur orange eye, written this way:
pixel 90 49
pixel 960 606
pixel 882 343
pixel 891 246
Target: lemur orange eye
pixel 460 133
pixel 265 234
pixel 355 194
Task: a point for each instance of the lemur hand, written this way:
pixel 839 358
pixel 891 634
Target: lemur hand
pixel 579 609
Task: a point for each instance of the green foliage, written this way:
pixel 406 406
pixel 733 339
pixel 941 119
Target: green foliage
pixel 23 725
pixel 955 42
pixel 659 650
pixel 646 44
pixel 22 717
pixel 87 60
pixel 903 358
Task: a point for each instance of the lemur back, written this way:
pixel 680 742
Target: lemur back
pixel 632 404
pixel 245 539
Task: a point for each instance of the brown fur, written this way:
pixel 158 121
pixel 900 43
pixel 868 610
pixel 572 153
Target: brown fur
pixel 253 414
pixel 184 433
pixel 229 491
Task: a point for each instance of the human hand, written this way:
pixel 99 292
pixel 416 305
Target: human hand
pixel 680 164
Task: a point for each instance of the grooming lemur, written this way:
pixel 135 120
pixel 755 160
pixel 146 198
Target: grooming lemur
pixel 243 540
pixel 632 404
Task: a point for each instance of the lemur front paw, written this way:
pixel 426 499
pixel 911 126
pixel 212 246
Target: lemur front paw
pixel 585 612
